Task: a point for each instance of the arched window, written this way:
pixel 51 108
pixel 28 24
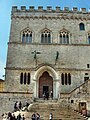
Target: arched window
pixel 21 78
pixel 45 36
pixel 88 38
pixel 28 80
pixel 64 37
pixel 69 78
pixel 62 79
pixel 81 26
pixel 66 79
pixel 23 38
pixel 25 77
pixel 27 36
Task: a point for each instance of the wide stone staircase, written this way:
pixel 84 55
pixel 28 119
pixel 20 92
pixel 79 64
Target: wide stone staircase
pixel 59 111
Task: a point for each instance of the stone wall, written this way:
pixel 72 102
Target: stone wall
pixel 8 99
pixel 72 59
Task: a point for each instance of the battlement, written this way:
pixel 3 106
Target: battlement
pixel 48 9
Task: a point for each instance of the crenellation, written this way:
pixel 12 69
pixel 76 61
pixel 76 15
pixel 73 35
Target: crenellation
pixel 49 8
pixel 31 8
pixel 66 8
pixel 83 9
pixel 23 8
pixel 57 8
pixel 14 8
pixel 75 9
pixel 40 8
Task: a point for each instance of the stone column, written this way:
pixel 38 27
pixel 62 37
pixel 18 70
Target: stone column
pixel 55 88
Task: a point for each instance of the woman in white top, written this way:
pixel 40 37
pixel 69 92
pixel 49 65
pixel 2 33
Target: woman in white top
pixel 50 116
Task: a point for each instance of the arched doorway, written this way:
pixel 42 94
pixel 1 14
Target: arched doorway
pixel 45 84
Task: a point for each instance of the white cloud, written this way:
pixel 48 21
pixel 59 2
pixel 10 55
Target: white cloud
pixel 2 71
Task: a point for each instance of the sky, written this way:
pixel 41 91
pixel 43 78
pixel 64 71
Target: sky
pixel 5 19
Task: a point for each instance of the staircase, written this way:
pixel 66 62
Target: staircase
pixel 59 111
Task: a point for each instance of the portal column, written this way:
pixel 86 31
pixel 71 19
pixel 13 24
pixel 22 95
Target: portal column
pixel 55 88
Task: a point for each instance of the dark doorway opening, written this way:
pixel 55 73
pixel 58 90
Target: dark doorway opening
pixel 45 89
pixel 45 84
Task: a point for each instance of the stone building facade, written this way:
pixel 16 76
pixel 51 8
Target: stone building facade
pixel 48 50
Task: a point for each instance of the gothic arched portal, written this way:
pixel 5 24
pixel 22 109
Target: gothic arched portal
pixel 45 84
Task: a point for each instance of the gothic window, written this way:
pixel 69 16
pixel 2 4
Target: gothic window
pixel 21 78
pixel 66 79
pixel 81 26
pixel 69 79
pixel 64 37
pixel 45 36
pixel 27 36
pixel 88 38
pixel 62 79
pixel 28 80
pixel 25 78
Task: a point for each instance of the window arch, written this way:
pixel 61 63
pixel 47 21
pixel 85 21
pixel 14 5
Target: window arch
pixel 81 26
pixel 64 37
pixel 21 78
pixel 88 38
pixel 69 78
pixel 28 79
pixel 25 78
pixel 66 79
pixel 45 36
pixel 27 36
pixel 62 79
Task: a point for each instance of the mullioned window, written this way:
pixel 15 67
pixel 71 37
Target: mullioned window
pixel 25 78
pixel 66 79
pixel 27 36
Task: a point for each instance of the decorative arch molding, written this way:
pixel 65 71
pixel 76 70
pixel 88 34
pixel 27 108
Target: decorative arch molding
pixel 45 29
pixel 26 29
pixel 27 35
pixel 64 30
pixel 47 68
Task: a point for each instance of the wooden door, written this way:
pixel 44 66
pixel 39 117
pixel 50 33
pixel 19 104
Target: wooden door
pixel 45 84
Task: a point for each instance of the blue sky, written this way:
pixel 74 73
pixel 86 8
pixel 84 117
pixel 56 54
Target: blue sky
pixel 5 14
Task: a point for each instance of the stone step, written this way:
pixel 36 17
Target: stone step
pixel 58 110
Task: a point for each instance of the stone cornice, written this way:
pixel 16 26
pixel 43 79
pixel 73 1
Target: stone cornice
pixel 7 92
pixel 60 69
pixel 57 44
pixel 72 17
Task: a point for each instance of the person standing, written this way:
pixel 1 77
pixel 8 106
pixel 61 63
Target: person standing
pixel 47 95
pixel 44 95
pixel 23 118
pixel 19 116
pixel 33 116
pixel 20 105
pixel 51 95
pixel 37 116
pixel 50 116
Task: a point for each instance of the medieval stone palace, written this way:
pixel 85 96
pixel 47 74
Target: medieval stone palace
pixel 48 50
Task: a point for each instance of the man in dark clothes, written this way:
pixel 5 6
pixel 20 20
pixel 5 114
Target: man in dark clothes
pixel 33 116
